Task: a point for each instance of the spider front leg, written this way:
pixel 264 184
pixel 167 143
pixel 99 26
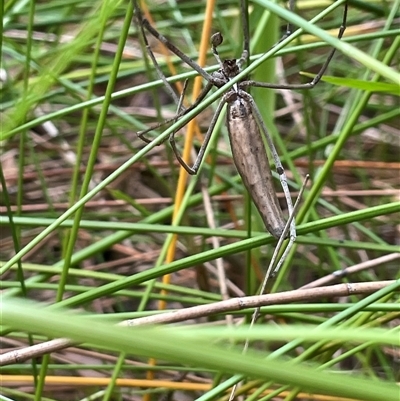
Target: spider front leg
pixel 317 78
pixel 193 170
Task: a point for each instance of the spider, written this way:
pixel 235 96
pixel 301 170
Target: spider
pixel 244 122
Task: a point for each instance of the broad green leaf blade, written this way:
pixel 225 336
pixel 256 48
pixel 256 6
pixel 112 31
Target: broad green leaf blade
pixel 174 345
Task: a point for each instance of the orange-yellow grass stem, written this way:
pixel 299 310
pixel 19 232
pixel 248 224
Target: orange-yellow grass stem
pixel 204 44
